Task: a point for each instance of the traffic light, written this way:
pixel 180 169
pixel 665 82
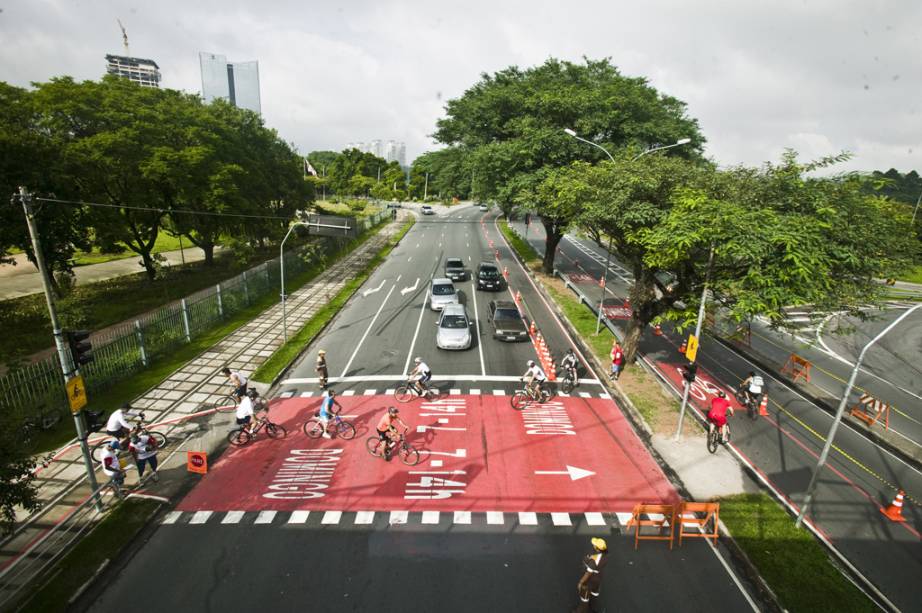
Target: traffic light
pixel 80 346
pixel 94 421
pixel 690 371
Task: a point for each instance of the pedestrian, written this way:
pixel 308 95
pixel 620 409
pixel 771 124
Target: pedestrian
pixel 144 449
pixel 617 361
pixel 591 581
pixel 321 368
pixel 112 468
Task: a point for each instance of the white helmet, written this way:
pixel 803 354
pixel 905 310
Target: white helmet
pixel 531 363
pixel 417 360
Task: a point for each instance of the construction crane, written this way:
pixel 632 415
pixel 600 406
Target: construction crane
pixel 124 37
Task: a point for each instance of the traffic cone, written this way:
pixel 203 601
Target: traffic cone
pixel 657 330
pixel 894 512
pixel 506 272
pixel 683 347
pixel 532 330
pixel 601 281
pixel 763 406
pixel 518 298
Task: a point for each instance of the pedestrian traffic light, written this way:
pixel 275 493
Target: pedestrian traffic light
pixel 690 371
pixel 80 346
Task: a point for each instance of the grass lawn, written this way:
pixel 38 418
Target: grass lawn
pixel 165 242
pixel 913 276
pixel 521 246
pixel 790 560
pixel 103 543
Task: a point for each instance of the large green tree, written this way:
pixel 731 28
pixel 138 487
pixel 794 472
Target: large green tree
pixel 511 125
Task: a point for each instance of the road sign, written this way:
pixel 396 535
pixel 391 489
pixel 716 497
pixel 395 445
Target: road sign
pixel 691 351
pixel 76 394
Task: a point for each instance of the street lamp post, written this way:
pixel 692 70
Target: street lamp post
pixel 808 499
pixel 914 211
pixel 282 267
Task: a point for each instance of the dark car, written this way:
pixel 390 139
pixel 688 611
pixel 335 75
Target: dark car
pixel 489 277
pixel 454 269
pixel 508 324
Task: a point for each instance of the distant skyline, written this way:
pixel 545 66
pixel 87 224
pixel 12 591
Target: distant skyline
pixel 236 82
pixel 818 76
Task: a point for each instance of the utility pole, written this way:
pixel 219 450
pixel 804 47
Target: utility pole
pixel 698 325
pixel 426 188
pixel 67 366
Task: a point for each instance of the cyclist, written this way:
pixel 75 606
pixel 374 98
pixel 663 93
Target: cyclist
pixel 111 466
pixel 717 416
pixel 420 376
pixel 245 411
pixel 144 449
pixel 752 386
pixel 534 379
pixel 569 364
pixel 117 426
pixel 326 410
pixel 237 380
pixel 387 429
pixel 321 368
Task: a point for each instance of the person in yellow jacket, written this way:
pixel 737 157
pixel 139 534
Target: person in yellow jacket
pixel 591 581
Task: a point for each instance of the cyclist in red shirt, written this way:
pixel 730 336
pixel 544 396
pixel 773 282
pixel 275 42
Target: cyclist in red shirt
pixel 717 416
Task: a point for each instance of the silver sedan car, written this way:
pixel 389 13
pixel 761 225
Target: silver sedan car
pixel 442 293
pixel 454 328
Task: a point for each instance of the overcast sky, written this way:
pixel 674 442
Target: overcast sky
pixel 819 76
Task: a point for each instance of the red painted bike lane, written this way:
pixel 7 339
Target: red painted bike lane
pixel 571 454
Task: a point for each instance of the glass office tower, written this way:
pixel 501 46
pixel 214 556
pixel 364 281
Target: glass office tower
pixel 236 82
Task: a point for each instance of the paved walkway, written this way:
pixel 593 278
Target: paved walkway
pixel 23 279
pixel 183 405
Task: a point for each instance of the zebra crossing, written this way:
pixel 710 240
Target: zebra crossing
pixel 294 393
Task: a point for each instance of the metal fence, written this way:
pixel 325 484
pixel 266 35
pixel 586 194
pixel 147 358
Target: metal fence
pixel 132 345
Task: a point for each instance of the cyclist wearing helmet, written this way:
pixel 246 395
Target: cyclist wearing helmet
pixel 245 410
pixel 534 378
pixel 717 416
pixel 752 386
pixel 326 409
pixel 112 467
pixel 569 363
pixel 387 429
pixel 420 376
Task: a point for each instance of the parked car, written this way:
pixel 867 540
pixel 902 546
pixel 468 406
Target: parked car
pixel 489 277
pixel 427 210
pixel 507 322
pixel 454 269
pixel 484 207
pixel 454 328
pixel 441 293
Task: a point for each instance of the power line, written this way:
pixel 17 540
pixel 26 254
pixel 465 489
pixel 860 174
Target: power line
pixel 159 210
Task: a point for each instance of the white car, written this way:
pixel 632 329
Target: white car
pixel 427 210
pixel 442 293
pixel 454 328
pixel 484 208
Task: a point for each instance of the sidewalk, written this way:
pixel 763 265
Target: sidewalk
pixel 23 278
pixel 182 406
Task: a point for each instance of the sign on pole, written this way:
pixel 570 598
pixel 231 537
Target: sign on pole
pixel 76 394
pixel 691 350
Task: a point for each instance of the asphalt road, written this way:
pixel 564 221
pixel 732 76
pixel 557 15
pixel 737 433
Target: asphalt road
pixel 497 514
pixel 783 448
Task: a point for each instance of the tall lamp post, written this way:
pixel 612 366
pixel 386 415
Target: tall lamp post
pixel 681 141
pixel 282 271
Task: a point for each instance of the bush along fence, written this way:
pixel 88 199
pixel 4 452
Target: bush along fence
pixel 131 346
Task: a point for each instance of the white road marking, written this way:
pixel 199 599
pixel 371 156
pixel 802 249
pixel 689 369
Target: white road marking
pixel 483 366
pixel 200 517
pixel 348 393
pixel 331 517
pixel 409 258
pixel 408 290
pixel 499 392
pixel 389 392
pixel 430 517
pixel 232 517
pixel 623 518
pixel 528 519
pixel 495 517
pixel 462 517
pixel 454 391
pixel 370 392
pixel 398 517
pixel 298 517
pixel 306 394
pixel 436 463
pixel 422 310
pixel 171 517
pixel 367 330
pixel 475 391
pixel 594 519
pixel 364 517
pixel 265 517
pixel 561 519
pixel 370 291
pixel 455 377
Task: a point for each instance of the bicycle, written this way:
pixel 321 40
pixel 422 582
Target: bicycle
pixel 749 402
pixel 241 435
pixel 522 398
pixel 409 455
pixel 226 404
pixel 336 427
pixel 140 428
pixel 34 424
pixel 407 392
pixel 714 437
pixel 569 380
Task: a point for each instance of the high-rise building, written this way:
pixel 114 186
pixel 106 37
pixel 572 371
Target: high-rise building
pixel 237 82
pixel 391 151
pixel 139 70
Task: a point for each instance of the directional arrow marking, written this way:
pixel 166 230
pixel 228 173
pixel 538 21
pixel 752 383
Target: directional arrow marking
pixel 372 291
pixel 407 290
pixel 574 472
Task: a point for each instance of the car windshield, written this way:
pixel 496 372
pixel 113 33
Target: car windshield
pixel 488 273
pixel 507 314
pixel 454 264
pixel 442 290
pixel 454 321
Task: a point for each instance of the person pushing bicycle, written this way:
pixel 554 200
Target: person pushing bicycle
pixel 387 430
pixel 326 410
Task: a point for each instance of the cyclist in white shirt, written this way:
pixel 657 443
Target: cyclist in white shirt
pixel 111 466
pixel 752 386
pixel 237 380
pixel 245 412
pixel 144 449
pixel 569 364
pixel 420 375
pixel 534 378
pixel 118 425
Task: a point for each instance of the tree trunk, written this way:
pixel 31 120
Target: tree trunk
pixel 149 266
pixel 643 309
pixel 208 249
pixel 550 245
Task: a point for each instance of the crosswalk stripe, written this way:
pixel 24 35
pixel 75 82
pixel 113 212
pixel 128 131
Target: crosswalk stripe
pixel 604 396
pixel 298 517
pixel 399 517
pixel 331 517
pixel 287 394
pixel 364 517
pixel 475 392
pixel 171 517
pixel 494 517
pixel 462 517
pixel 389 392
pixel 349 393
pixel 232 517
pixel 430 517
pixel 200 517
pixel 623 518
pixel 265 517
pixel 370 392
pixel 595 519
pixel 454 392
pixel 499 392
pixel 561 519
pixel 527 518
pixel 306 394
pixel 563 394
pixel 585 395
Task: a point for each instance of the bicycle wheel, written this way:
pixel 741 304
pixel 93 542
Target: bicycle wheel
pixel 713 440
pixel 408 455
pixel 276 430
pixel 545 396
pixel 567 385
pixel 519 400
pixel 375 446
pixel 226 404
pixel 403 394
pixel 158 437
pixel 345 430
pixel 313 428
pixel 239 437
pixel 97 451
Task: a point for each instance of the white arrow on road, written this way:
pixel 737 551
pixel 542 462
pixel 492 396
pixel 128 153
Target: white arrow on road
pixel 407 290
pixel 574 472
pixel 372 291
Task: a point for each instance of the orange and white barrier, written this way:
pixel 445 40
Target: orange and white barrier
pixel 894 510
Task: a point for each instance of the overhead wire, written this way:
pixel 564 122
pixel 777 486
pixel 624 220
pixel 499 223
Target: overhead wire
pixel 169 211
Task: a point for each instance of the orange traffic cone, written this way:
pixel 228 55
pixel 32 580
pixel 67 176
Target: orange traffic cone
pixel 601 281
pixel 894 512
pixel 518 296
pixel 763 406
pixel 506 272
pixel 657 330
pixel 683 347
pixel 532 330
